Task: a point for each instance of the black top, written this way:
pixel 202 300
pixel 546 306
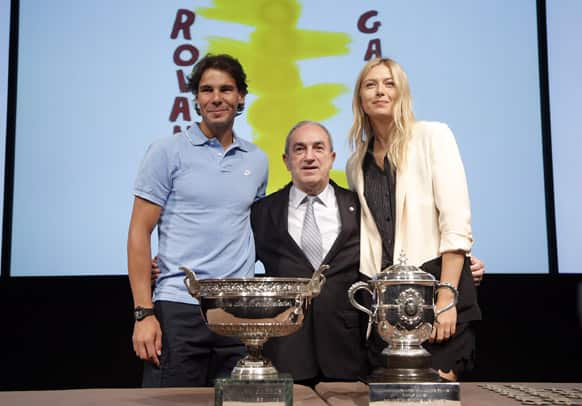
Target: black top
pixel 380 194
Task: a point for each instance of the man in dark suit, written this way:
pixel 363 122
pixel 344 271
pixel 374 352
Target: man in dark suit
pixel 331 343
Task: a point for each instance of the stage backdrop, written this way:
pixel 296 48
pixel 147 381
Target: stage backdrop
pixel 565 65
pixel 100 80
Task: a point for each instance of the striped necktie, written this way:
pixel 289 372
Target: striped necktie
pixel 310 235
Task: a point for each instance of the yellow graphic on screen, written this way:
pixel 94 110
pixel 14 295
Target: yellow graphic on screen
pixel 270 59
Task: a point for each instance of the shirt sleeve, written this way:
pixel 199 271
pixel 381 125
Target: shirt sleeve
pixel 262 190
pixel 450 191
pixel 154 180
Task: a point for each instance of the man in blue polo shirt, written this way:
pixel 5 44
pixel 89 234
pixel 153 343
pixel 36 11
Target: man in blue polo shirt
pixel 197 187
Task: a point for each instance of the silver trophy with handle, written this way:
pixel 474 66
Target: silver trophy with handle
pixel 403 311
pixel 254 310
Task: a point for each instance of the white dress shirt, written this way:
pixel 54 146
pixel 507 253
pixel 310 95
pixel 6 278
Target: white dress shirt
pixel 326 216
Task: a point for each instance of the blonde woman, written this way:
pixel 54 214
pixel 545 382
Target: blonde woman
pixel 411 183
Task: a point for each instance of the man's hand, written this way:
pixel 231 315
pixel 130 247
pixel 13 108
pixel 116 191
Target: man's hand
pixel 477 270
pixel 155 270
pixel 147 339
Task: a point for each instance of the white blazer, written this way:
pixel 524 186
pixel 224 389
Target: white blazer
pixel 433 212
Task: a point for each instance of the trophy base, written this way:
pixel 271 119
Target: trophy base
pixel 397 375
pixel 433 393
pixel 258 372
pixel 264 392
pixel 409 379
pixel 403 366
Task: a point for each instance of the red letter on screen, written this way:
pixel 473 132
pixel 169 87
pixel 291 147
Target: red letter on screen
pixel 180 107
pixel 182 85
pixel 374 49
pixel 191 49
pixel 184 20
pixel 364 19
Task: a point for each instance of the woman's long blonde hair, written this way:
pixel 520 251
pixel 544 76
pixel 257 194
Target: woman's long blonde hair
pixel 403 116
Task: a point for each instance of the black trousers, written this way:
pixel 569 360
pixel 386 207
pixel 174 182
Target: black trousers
pixel 192 355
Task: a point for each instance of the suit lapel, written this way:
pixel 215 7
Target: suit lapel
pixel 279 208
pixel 348 213
pixel 279 212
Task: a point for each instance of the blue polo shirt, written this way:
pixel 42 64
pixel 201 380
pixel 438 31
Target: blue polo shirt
pixel 205 193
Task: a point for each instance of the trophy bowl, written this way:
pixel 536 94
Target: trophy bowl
pixel 254 309
pixel 404 312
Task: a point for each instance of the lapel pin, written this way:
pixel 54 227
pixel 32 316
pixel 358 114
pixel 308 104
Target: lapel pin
pixel 352 208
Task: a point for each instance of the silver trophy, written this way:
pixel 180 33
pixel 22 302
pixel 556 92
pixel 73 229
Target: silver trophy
pixel 403 310
pixel 254 309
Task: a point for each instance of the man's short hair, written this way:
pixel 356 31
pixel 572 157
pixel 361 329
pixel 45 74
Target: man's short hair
pixel 222 62
pixel 304 123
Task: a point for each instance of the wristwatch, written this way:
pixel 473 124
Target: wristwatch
pixel 141 313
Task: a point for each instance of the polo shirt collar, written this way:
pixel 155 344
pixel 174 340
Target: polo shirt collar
pixel 197 138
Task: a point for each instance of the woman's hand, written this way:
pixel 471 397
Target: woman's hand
pixel 445 325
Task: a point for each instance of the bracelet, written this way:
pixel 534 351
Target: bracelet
pixel 447 285
pixel 437 313
pixel 450 286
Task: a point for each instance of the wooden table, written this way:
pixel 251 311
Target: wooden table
pixel 472 393
pixel 333 394
pixel 302 396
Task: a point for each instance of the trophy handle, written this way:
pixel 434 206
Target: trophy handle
pixel 351 296
pixel 191 282
pixel 297 309
pixel 453 302
pixel 317 280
